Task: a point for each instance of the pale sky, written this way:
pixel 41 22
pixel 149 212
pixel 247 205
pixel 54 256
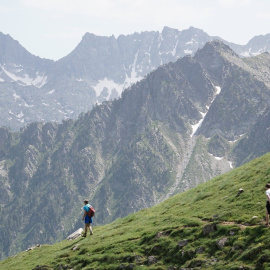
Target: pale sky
pixel 53 28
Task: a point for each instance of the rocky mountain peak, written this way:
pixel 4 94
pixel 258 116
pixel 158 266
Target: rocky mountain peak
pixel 195 30
pixel 259 44
pixel 213 57
pixel 217 46
pixel 89 37
pixel 11 50
pixel 169 31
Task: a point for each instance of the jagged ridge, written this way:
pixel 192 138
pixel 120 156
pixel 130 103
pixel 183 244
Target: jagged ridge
pixel 98 69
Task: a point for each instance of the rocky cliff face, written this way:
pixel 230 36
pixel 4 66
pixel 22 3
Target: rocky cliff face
pixel 97 70
pixel 179 126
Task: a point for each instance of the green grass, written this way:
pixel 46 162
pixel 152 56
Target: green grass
pixel 130 241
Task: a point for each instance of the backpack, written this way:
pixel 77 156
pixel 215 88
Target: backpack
pixel 91 211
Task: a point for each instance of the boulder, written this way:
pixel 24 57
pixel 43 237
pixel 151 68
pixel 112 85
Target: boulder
pixel 200 250
pixel 75 235
pixel 75 248
pixel 182 243
pixel 196 263
pixel 221 242
pixel 189 254
pixel 211 261
pixel 159 234
pixel 241 267
pixel 209 228
pixel 61 267
pixel 152 259
pixel 236 247
pixel 128 267
pixel 138 259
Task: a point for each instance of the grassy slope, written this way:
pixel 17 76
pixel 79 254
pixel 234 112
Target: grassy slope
pixel 131 240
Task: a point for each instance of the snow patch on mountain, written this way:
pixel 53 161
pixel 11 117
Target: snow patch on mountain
pixel 249 52
pixel 217 158
pixel 38 82
pixel 20 115
pixel 191 42
pixel 230 163
pixel 109 84
pixel 245 54
pixel 50 92
pixel 221 158
pixel 133 74
pixel 196 126
pixel 233 141
pixel 174 49
pixel 16 96
pixel 27 105
pixel 218 90
pixel 188 51
pixel 160 39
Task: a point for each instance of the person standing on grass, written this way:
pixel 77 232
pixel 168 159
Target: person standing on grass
pixel 267 192
pixel 87 220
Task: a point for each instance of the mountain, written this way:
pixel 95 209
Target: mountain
pixel 207 227
pixel 256 45
pixel 181 125
pixel 98 69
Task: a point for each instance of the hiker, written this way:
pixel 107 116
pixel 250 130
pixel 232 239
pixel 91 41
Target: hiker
pixel 87 219
pixel 267 192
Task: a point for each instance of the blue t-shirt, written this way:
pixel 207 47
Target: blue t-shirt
pixel 86 207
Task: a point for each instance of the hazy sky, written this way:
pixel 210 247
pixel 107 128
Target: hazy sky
pixel 53 28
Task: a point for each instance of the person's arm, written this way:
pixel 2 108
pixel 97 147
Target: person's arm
pixel 84 214
pixel 267 195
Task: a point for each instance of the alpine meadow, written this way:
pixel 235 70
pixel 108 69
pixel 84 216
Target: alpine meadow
pixel 207 227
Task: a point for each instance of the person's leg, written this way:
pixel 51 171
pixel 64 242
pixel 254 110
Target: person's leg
pixel 91 230
pixel 267 218
pixel 86 225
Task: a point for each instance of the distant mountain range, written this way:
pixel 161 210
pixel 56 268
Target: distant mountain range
pixel 98 69
pixel 181 125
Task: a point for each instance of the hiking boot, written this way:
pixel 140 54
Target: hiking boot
pixel 84 235
pixel 91 232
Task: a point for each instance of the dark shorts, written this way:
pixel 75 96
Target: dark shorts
pixel 88 220
pixel 268 207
